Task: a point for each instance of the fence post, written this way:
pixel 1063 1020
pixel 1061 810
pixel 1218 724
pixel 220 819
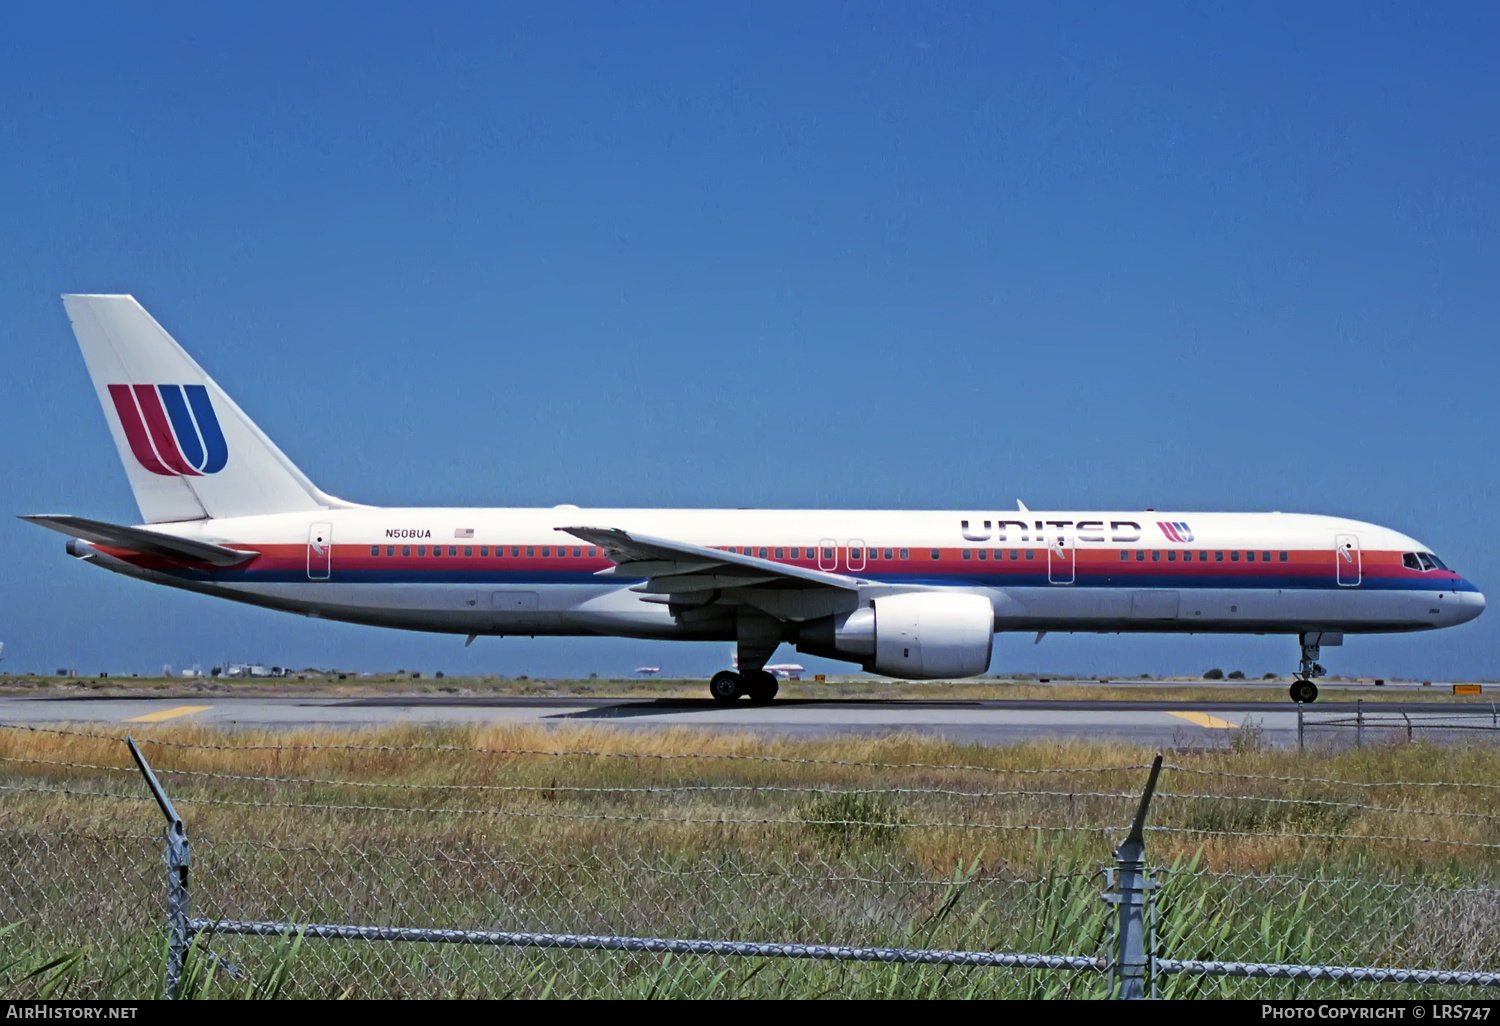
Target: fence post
pixel 177 875
pixel 1131 956
pixel 1359 723
pixel 1408 725
pixel 1300 748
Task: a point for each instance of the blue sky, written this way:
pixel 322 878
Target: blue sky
pixel 923 255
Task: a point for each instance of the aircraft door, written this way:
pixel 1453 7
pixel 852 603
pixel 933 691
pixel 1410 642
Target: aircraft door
pixel 1061 554
pixel 828 554
pixel 319 552
pixel 855 557
pixel 1346 559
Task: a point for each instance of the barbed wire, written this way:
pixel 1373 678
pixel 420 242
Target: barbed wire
pixel 577 789
pixel 551 814
pixel 754 821
pixel 759 789
pixel 1314 837
pixel 1328 780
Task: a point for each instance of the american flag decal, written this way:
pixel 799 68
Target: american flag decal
pixel 463 532
pixel 1177 530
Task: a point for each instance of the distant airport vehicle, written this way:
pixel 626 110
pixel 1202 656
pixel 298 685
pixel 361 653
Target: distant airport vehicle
pixel 913 595
pixel 251 670
pixel 648 671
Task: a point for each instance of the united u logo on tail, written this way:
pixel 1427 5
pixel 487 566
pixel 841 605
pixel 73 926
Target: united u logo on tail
pixel 172 429
pixel 1176 531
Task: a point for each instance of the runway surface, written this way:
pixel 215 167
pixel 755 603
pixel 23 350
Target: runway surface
pixel 987 722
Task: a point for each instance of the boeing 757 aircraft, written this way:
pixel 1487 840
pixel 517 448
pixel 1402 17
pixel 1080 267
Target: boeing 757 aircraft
pixel 913 595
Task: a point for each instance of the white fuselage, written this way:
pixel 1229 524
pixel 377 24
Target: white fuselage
pixel 513 571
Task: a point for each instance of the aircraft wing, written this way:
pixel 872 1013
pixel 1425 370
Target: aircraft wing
pixel 138 539
pixel 673 567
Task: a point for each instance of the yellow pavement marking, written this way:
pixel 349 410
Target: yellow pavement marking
pixel 1205 720
pixel 167 714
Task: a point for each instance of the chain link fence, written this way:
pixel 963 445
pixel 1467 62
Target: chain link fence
pixel 520 872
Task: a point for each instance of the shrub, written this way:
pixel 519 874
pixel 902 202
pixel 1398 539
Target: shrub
pixel 1236 674
pixel 1214 674
pixel 845 820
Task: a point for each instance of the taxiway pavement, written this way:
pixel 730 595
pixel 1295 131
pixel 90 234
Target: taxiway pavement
pixel 987 722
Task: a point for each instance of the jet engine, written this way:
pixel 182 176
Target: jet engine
pixel 921 635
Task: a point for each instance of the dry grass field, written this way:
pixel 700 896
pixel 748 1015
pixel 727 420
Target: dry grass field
pixel 1385 855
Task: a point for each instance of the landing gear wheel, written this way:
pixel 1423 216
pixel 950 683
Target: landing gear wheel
pixel 761 686
pixel 1304 692
pixel 726 686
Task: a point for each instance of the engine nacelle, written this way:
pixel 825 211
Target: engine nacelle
pixel 920 635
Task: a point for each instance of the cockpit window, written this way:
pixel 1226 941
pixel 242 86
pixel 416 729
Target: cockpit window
pixel 1422 561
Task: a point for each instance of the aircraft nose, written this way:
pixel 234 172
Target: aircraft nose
pixel 1471 604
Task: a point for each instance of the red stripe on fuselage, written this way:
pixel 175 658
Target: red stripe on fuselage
pixel 135 431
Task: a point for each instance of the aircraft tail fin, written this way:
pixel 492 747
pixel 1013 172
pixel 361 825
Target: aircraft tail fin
pixel 190 453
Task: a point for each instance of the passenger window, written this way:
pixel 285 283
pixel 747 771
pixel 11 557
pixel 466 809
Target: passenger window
pixel 873 553
pixel 1218 557
pixel 935 553
pixel 437 550
pixel 887 555
pixel 406 550
pixel 999 554
pixel 984 553
pixel 421 550
pixel 1250 557
pixel 1234 557
pixel 577 551
pixel 827 553
pixel 1140 555
pixel 390 550
pixel 592 552
pixel 905 553
pixel 515 550
pixel 968 554
pixel 1171 555
pixel 1187 557
pixel 781 553
pixel 1283 557
pixel 1202 556
pixel 530 551
pixel 374 550
pixel 468 550
pixel 1156 555
pixel 484 550
pixel 452 550
pixel 762 553
pixel 1031 553
pixel 796 553
pixel 1124 555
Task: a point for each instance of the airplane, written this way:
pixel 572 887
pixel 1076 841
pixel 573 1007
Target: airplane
pixel 910 595
pixel 783 671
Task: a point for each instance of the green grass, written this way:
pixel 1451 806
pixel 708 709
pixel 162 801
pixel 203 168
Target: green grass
pixel 893 841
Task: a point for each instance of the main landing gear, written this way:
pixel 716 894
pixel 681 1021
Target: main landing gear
pixel 1303 690
pixel 759 685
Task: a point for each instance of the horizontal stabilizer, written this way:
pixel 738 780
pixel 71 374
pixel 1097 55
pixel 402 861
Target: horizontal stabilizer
pixel 138 539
